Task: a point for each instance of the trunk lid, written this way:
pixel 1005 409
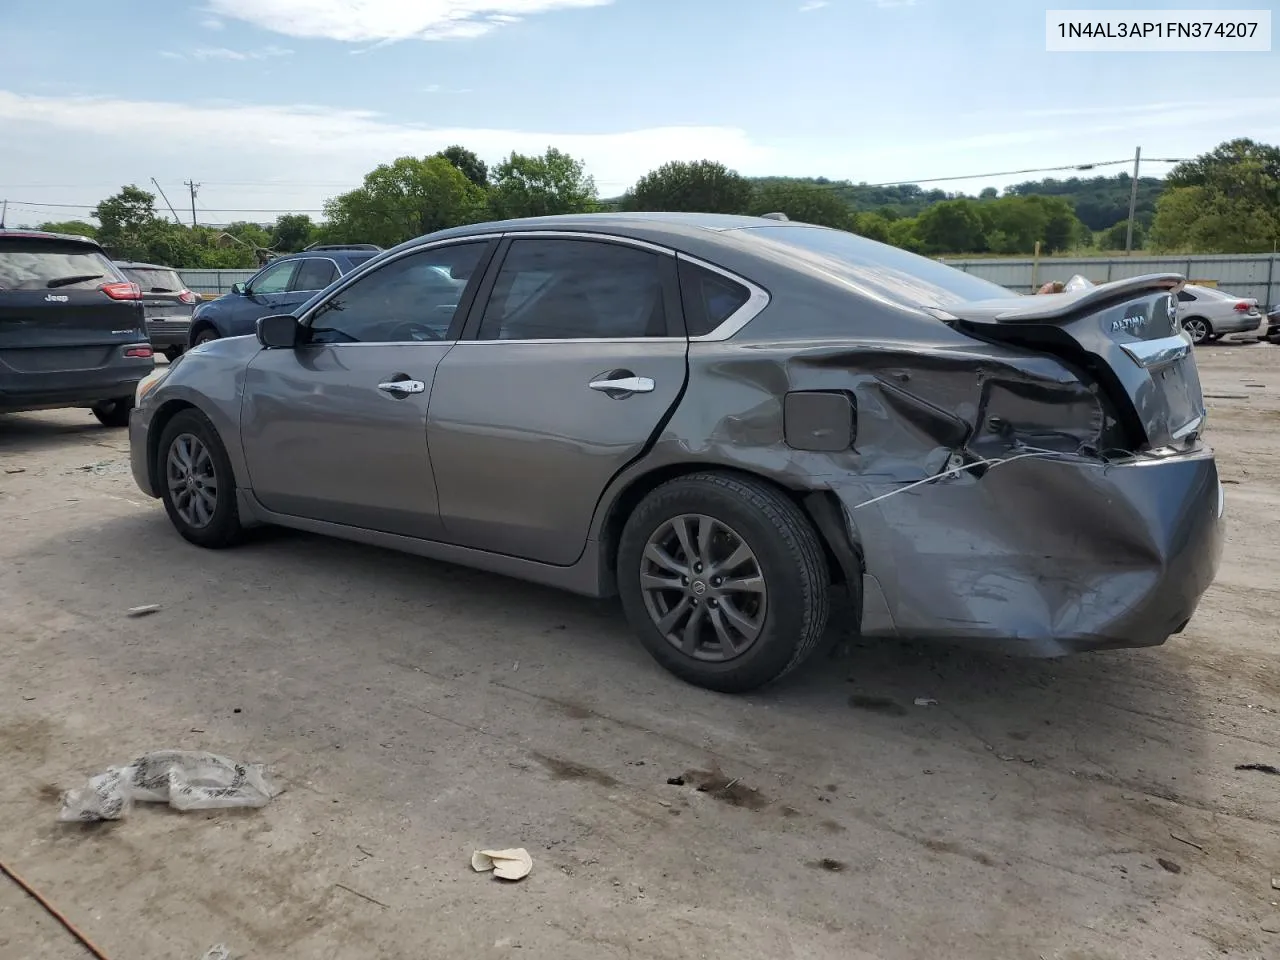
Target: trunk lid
pixel 1126 335
pixel 54 315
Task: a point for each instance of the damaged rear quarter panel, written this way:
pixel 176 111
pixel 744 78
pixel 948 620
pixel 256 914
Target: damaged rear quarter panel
pixel 1039 556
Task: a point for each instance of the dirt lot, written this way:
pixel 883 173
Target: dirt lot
pixel 414 712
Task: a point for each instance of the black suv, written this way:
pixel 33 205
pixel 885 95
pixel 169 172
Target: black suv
pixel 72 331
pixel 281 286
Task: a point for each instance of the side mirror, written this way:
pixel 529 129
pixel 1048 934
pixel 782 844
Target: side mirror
pixel 239 288
pixel 279 332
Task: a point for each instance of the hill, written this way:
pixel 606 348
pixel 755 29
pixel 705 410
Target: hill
pixel 1100 202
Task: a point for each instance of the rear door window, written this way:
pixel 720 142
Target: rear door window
pixel 553 289
pixel 314 274
pixel 36 264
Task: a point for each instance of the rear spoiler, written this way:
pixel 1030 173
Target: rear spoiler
pixel 1052 307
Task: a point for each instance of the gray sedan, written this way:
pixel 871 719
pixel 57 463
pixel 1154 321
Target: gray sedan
pixel 722 420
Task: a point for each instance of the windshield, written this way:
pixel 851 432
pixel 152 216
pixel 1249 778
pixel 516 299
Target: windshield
pixel 29 263
pixel 877 269
pixel 155 279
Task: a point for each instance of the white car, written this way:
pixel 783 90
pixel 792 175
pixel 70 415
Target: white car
pixel 1209 314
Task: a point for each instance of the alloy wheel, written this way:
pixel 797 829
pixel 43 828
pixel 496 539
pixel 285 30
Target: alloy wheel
pixel 192 482
pixel 1197 329
pixel 703 588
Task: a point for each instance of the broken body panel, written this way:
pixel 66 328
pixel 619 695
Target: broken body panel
pixel 1024 473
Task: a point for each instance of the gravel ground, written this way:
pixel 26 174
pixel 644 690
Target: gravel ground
pixel 414 712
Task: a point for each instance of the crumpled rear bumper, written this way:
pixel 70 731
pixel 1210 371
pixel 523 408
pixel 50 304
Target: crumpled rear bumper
pixel 1041 557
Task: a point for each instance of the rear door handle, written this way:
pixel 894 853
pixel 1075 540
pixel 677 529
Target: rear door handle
pixel 623 385
pixel 403 386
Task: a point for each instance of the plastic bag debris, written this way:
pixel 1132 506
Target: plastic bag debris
pixel 186 780
pixel 505 864
pixel 1078 282
pixel 217 952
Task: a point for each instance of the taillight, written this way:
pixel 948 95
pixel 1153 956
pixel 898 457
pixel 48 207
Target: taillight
pixel 122 291
pixel 1242 307
pixel 140 352
pixel 186 296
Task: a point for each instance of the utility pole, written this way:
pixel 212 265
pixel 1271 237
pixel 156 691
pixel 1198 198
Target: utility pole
pixel 1133 201
pixel 166 200
pixel 193 187
pixel 4 211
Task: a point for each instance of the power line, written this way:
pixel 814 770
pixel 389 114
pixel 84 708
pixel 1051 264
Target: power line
pixel 1015 173
pixel 193 186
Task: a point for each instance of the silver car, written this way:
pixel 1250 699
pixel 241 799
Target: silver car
pixel 723 420
pixel 167 302
pixel 1210 314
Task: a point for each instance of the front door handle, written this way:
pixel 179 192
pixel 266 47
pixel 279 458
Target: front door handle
pixel 403 386
pixel 623 385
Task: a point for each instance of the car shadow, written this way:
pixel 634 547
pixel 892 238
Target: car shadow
pixel 23 433
pixel 1126 718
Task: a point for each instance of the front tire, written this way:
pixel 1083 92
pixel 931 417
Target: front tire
pixel 724 581
pixel 197 484
pixel 204 336
pixel 113 413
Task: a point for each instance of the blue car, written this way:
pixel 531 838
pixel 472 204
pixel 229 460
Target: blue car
pixel 281 286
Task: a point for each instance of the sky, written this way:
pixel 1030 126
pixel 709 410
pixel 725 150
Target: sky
pixel 275 105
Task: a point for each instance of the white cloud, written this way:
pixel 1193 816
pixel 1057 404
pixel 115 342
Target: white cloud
pixel 225 53
pixel 810 5
pixel 365 21
pixel 310 144
pixel 212 23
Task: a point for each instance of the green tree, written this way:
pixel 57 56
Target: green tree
pixel 873 226
pixel 904 233
pixel 701 187
pixel 529 186
pixel 1113 238
pixel 953 226
pixel 1205 220
pixel 402 200
pixel 804 202
pixel 292 232
pixel 471 166
pixel 1225 201
pixel 77 228
pixel 129 223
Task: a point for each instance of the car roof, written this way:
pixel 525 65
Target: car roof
pixel 675 225
pixel 45 235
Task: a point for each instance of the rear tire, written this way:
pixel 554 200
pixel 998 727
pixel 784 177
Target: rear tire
pixel 1198 329
pixel 197 484
pixel 113 413
pixel 753 623
pixel 172 353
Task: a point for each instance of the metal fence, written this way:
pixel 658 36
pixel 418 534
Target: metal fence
pixel 1245 275
pixel 214 281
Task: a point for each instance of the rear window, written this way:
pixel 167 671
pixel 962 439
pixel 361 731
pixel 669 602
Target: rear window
pixel 356 259
pixel 33 264
pixel 155 280
pixel 877 268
